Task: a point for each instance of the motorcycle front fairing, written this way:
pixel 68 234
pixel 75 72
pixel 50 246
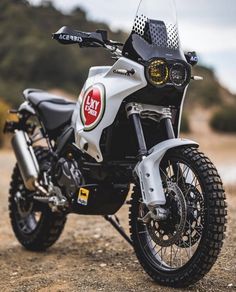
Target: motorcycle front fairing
pixel 155 36
pixel 154 39
pixel 100 100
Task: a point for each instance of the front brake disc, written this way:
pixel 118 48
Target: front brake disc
pixel 168 232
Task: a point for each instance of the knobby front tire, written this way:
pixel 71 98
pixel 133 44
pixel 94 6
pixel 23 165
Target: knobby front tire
pixel 205 201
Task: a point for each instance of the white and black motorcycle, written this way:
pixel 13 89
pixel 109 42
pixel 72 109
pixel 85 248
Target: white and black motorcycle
pixel 122 132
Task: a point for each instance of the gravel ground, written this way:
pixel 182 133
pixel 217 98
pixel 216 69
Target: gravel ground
pixel 91 256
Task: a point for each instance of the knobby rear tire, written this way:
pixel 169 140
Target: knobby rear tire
pixel 50 225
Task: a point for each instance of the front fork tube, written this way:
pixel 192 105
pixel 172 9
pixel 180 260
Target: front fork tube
pixel 148 175
pixel 142 147
pixel 166 125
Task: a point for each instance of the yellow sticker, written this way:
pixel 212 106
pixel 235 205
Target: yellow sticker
pixel 83 196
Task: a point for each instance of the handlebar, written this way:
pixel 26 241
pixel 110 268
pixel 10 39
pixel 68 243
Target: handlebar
pixel 67 36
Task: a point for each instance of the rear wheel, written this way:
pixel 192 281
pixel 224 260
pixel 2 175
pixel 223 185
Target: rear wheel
pixel 35 226
pixel 182 249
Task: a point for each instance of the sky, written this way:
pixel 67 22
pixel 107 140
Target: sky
pixel 205 26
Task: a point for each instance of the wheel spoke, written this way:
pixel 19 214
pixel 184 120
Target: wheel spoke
pixel 142 232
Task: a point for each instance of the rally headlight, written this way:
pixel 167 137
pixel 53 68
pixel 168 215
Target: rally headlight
pixel 158 72
pixel 178 74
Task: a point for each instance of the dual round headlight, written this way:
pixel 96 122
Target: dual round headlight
pixel 161 73
pixel 178 74
pixel 158 72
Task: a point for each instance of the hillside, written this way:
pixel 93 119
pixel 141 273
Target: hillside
pixel 208 92
pixel 30 58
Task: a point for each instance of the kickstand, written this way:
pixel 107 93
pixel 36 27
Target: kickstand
pixel 116 224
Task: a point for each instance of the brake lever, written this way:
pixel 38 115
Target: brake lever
pixel 115 51
pixel 114 43
pixel 111 48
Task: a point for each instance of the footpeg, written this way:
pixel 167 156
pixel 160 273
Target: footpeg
pixel 54 199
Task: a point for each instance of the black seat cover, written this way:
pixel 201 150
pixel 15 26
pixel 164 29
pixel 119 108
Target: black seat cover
pixel 54 110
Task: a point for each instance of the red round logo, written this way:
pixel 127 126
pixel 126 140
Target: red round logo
pixel 93 106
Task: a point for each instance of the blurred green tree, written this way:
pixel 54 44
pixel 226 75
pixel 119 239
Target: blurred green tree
pixel 29 57
pixel 224 120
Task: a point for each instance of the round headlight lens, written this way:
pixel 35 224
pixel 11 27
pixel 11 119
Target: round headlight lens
pixel 158 72
pixel 178 74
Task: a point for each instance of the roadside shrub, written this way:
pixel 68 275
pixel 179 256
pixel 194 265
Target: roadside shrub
pixel 224 120
pixel 185 127
pixel 3 115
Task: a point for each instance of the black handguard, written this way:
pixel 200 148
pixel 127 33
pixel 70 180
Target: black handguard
pixel 68 36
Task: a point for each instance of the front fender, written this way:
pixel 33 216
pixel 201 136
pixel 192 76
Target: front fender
pixel 148 171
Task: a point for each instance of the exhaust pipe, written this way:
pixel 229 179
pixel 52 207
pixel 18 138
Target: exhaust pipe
pixel 26 159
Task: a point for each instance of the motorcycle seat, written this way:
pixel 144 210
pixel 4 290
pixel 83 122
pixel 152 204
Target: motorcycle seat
pixel 37 96
pixel 54 111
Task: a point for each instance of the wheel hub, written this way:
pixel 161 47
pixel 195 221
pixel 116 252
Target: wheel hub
pixel 165 233
pixel 24 206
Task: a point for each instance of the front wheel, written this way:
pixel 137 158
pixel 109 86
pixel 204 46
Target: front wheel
pixel 179 251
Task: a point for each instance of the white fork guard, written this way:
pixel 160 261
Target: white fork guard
pixel 148 171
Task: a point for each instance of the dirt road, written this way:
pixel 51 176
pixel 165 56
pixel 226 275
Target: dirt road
pixel 90 256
